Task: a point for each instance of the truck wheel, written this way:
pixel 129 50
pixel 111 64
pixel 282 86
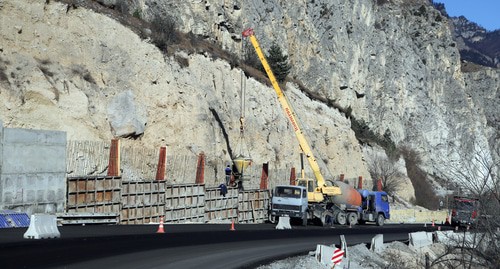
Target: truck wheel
pixel 341 218
pixel 326 218
pixel 380 220
pixel 272 219
pixel 352 218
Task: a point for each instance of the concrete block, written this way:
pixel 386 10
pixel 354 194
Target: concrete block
pixel 283 223
pixel 377 244
pixel 420 239
pixel 8 197
pixel 40 196
pixel 51 196
pixel 444 237
pixel 42 227
pixel 324 255
pixel 30 196
pixel 32 169
pixel 33 151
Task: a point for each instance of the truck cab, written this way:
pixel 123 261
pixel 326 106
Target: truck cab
pixel 464 211
pixel 289 200
pixel 375 207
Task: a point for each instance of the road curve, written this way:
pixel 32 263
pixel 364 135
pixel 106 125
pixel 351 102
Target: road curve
pixel 181 246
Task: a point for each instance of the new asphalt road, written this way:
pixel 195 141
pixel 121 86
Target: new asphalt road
pixel 181 246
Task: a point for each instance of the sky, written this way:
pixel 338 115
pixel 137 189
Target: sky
pixel 486 13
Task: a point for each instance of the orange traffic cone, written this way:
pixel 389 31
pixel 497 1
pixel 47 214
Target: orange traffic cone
pixel 433 223
pixel 232 226
pixel 160 228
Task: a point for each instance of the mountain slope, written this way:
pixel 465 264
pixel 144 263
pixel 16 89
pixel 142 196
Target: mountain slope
pixel 392 64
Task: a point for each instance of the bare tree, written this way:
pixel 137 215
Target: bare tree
pixel 477 177
pixel 380 167
pixel 164 29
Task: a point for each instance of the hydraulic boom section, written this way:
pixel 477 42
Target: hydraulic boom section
pixel 318 191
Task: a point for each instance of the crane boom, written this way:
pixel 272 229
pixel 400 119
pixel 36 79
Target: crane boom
pixel 304 146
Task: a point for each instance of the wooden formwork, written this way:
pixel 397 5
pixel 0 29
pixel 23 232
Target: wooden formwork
pixel 142 201
pixel 185 203
pixel 218 207
pixel 98 194
pixel 253 206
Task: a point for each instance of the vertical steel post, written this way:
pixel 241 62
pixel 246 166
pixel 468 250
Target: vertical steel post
pixel 114 158
pixel 264 177
pixel 162 164
pixel 200 169
pixel 293 177
pixel 360 182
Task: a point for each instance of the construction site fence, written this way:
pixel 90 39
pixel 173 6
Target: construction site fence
pixel 142 202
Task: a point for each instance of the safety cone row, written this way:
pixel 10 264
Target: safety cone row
pixel 160 228
pixel 232 226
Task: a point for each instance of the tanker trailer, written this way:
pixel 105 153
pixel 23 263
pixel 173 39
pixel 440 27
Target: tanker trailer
pixel 352 206
pixel 346 205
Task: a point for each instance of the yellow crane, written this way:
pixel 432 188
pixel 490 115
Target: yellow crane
pixel 317 189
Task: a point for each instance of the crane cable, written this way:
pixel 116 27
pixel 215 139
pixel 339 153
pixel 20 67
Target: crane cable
pixel 242 143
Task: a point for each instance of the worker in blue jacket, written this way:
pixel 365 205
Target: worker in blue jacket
pixel 228 174
pixel 223 189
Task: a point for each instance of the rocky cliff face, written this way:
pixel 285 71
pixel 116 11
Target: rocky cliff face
pixel 393 63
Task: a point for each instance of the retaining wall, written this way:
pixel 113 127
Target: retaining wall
pixel 32 170
pixel 417 216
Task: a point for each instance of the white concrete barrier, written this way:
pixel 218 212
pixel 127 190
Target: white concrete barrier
pixel 420 239
pixel 377 243
pixel 444 236
pixel 42 226
pixel 324 255
pixel 284 223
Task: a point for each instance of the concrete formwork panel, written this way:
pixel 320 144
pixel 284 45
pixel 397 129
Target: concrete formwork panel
pixel 32 170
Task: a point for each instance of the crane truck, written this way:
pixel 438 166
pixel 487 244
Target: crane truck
pixel 320 200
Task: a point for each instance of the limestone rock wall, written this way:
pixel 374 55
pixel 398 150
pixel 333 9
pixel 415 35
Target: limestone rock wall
pixel 392 62
pixel 81 72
